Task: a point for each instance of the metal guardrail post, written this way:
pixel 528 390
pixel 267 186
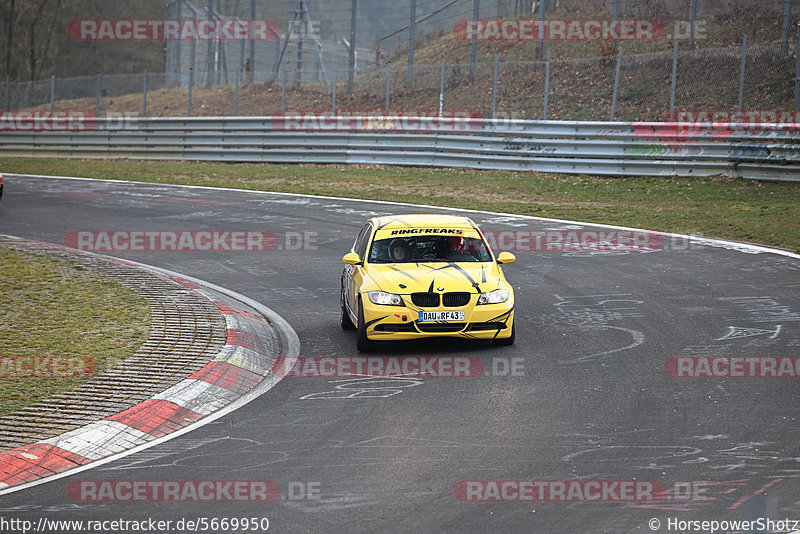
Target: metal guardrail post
pixel 388 84
pixel 191 83
pixel 797 76
pixel 178 46
pixel 144 95
pixel 411 36
pixel 193 57
pixel 741 72
pixel 283 93
pixel 616 84
pixel 787 25
pixel 333 96
pixel 352 49
pixel 8 92
pixel 674 81
pixel 242 60
pixel 252 57
pixel 441 91
pixel 52 92
pixel 692 23
pixel 210 67
pixel 542 17
pixel 494 86
pixel 473 45
pixel 236 94
pixel 97 97
pixel 546 85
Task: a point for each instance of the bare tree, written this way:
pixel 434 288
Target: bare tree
pixel 9 15
pixel 29 32
pixel 39 54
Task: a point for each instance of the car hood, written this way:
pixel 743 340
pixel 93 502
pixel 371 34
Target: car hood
pixel 406 278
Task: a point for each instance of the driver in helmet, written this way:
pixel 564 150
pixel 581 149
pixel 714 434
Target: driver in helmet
pixel 457 251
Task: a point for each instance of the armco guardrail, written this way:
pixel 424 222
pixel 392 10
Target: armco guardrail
pixel 765 151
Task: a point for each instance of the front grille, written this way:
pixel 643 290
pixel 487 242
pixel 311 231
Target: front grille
pixel 453 300
pixel 425 300
pixel 441 327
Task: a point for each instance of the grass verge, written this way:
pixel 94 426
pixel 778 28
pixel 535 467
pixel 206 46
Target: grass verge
pixel 59 320
pixel 742 210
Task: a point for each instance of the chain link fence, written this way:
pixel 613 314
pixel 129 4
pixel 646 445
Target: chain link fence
pixel 622 83
pixel 706 81
pixel 326 28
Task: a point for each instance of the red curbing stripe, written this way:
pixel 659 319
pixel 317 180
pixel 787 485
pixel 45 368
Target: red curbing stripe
pixel 241 338
pixel 46 243
pixel 124 262
pixel 32 462
pixel 185 283
pixel 225 309
pixel 156 417
pixel 228 376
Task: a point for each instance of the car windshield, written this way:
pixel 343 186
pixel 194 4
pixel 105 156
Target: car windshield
pixel 428 248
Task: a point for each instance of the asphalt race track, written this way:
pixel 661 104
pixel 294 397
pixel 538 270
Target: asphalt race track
pixel 589 392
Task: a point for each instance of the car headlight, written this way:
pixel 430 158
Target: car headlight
pixel 384 298
pixel 494 297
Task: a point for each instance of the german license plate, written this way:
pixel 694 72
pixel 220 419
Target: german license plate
pixel 444 315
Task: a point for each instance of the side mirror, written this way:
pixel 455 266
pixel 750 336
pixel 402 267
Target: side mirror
pixel 351 258
pixel 506 257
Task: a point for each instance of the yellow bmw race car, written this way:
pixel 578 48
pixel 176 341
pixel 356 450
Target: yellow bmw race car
pixel 417 276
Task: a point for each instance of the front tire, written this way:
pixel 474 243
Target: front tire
pixel 344 317
pixel 363 343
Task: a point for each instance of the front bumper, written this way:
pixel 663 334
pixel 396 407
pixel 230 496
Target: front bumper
pixel 397 323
